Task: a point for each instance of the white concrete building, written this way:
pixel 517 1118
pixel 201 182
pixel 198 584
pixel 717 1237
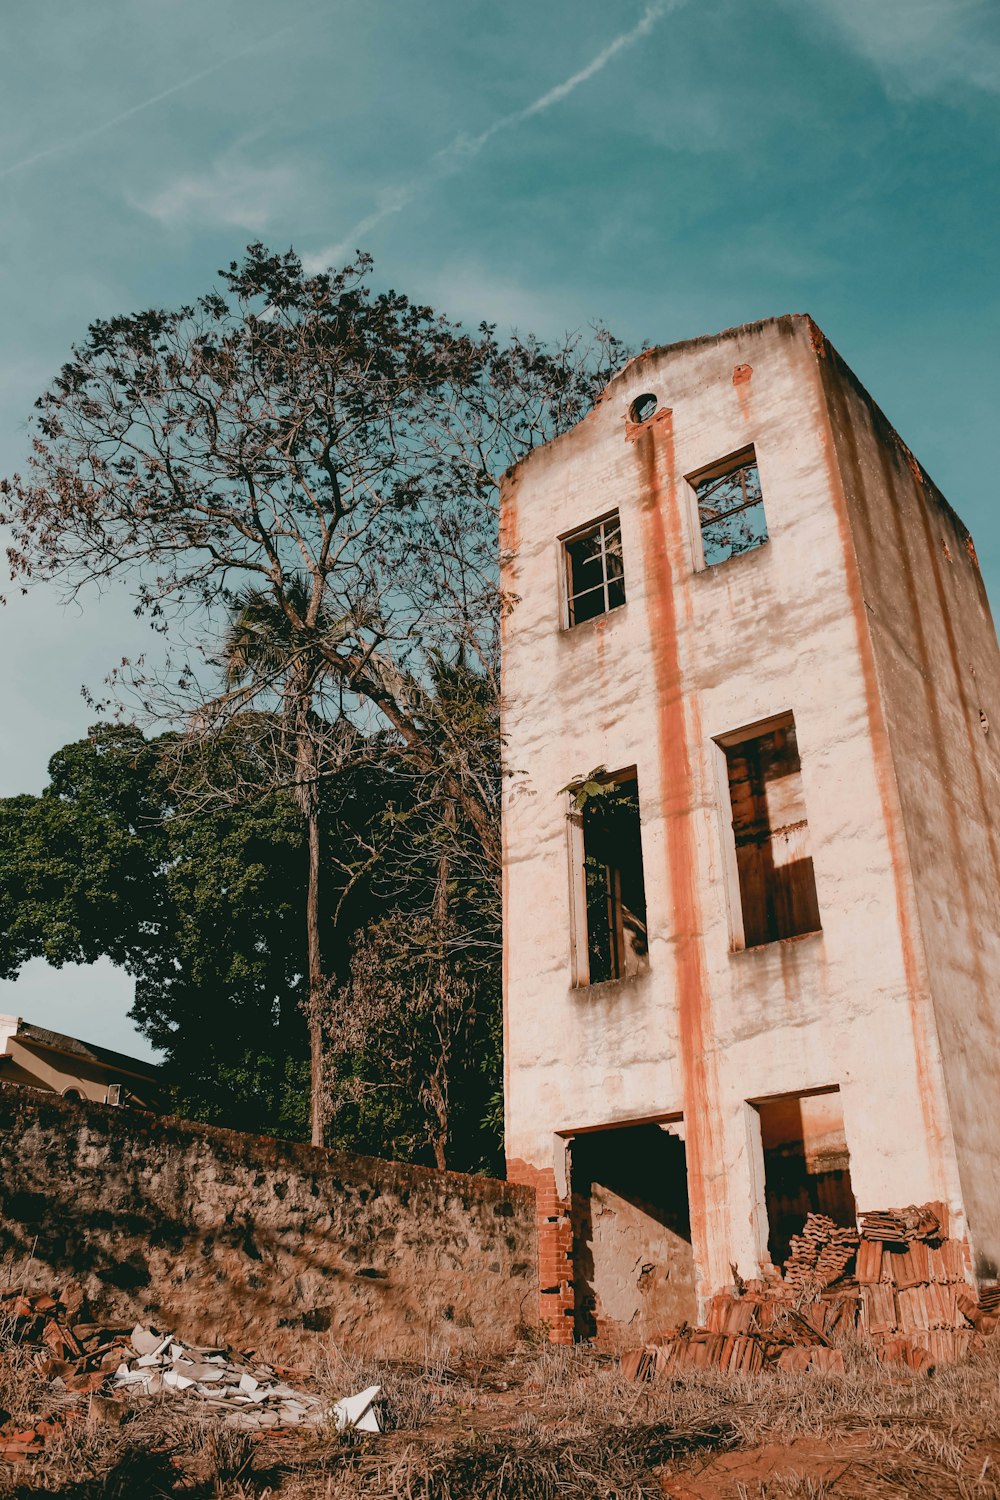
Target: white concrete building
pixel 750 955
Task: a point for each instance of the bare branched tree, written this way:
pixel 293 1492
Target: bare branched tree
pixel 298 476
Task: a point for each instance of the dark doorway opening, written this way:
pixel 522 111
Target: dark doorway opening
pixel 633 1268
pixel 806 1165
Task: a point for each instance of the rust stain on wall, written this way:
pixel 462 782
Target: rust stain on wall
pixel 660 523
pixel 741 385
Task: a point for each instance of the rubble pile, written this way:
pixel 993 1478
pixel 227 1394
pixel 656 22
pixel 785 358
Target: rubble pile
pixel 109 1364
pixel 72 1352
pixel 982 1312
pixel 248 1395
pixel 744 1333
pixel 900 1279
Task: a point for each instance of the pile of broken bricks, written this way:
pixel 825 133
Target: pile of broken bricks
pixel 900 1279
pixel 110 1364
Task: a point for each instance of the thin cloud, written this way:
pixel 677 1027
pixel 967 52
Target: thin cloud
pixel 231 192
pixel 919 47
pixel 463 149
pixel 82 137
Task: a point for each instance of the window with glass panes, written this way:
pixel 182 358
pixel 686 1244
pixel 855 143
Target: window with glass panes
pixel 730 509
pixel 595 573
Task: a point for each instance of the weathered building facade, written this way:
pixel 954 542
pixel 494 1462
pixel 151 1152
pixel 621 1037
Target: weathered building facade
pixel 752 831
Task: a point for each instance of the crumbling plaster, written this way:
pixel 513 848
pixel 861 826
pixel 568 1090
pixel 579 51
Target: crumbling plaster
pixel 693 655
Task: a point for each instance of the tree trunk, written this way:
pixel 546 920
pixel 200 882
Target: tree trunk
pixel 438 1082
pixel 316 1111
pixel 438 1097
pixel 307 790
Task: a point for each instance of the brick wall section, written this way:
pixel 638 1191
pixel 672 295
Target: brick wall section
pixel 555 1250
pixel 246 1240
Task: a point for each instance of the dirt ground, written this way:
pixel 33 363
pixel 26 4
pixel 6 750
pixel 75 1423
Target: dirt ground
pixel 557 1424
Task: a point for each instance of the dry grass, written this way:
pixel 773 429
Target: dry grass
pixel 543 1424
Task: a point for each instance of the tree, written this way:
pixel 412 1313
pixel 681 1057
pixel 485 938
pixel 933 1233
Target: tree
pixel 101 865
pixel 422 995
pixel 266 651
pixel 108 861
pixel 78 865
pixel 414 1050
pixel 335 452
pixel 299 430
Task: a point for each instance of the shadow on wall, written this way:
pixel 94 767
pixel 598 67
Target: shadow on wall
pixel 238 1239
pixel 633 1267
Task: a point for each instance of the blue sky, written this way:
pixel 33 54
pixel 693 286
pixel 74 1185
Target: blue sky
pixel 671 168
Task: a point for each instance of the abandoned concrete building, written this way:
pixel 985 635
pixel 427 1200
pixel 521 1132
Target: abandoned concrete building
pixel 752 831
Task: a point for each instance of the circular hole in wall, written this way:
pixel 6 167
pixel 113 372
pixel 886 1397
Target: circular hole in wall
pixel 642 408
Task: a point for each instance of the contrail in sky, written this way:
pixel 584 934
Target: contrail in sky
pixel 463 148
pixel 95 130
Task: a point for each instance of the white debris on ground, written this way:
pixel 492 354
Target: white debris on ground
pixel 358 1412
pixel 247 1396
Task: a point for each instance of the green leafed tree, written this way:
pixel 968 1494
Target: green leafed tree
pixel 101 865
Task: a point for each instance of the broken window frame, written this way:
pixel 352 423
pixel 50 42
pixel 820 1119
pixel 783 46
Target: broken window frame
pixel 580 929
pixel 713 474
pixel 734 894
pixel 610 583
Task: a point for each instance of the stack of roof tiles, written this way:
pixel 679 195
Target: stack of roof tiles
pixel 909 1276
pixel 900 1225
pixel 819 1255
pixel 983 1313
pixel 900 1279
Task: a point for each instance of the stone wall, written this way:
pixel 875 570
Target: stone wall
pixel 246 1240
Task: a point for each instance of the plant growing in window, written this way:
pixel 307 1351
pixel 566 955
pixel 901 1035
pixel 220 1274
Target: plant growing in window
pixel 612 891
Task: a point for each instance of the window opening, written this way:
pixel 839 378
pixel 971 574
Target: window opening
pixel 633 1266
pixel 642 408
pixel 595 570
pixel 614 893
pixel 730 509
pixel 807 1166
pixel 777 884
